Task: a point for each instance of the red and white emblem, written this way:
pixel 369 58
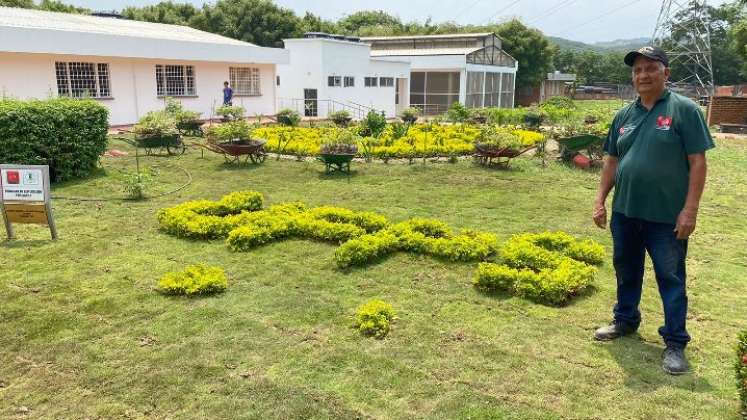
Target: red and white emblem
pixel 663 122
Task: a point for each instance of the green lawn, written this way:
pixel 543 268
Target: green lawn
pixel 83 334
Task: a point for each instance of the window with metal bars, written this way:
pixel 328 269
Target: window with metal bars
pixel 386 81
pixel 349 81
pixel 83 80
pixel 334 81
pixel 370 82
pixel 244 81
pixel 175 80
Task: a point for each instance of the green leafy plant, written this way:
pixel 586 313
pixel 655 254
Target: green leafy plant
pixel 341 118
pixel 549 267
pixel 288 117
pixel 187 122
pixel 135 184
pixel 496 138
pixel 156 124
pixel 458 113
pixel 342 142
pixel 69 135
pixel 562 102
pixel 229 112
pixel 478 115
pixel 741 370
pixel 236 130
pixel 410 115
pixel 534 117
pixel 194 280
pixel 373 125
pixel 374 318
pixel 398 130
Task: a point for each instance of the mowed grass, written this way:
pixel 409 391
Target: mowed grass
pixel 83 334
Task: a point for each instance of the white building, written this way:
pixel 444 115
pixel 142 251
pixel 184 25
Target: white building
pixel 329 73
pixel 130 66
pixel 469 68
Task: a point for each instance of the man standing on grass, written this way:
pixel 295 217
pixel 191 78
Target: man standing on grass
pixel 656 163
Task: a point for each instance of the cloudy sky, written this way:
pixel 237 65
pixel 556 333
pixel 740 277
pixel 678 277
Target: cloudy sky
pixel 581 20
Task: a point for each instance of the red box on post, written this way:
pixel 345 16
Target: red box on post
pixel 14 177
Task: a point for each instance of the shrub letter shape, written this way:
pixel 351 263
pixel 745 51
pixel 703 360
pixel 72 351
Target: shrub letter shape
pixel 546 268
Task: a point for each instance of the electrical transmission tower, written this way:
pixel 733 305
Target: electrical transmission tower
pixel 683 31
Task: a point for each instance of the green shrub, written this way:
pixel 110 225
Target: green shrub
pixel 373 125
pixel 369 221
pixel 186 121
pixel 365 249
pixel 156 124
pixel 549 267
pixel 69 135
pixel 236 130
pixel 340 118
pixel 562 102
pixel 288 117
pixel 230 112
pixel 135 184
pixel 194 280
pixel 204 219
pixel 741 367
pixel 374 318
pixel 458 113
pixel 340 142
pixel 410 115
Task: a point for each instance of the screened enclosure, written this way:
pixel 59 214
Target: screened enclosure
pixel 434 92
pixel 487 89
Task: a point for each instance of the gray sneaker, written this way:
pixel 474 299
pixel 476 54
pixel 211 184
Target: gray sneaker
pixel 675 362
pixel 611 332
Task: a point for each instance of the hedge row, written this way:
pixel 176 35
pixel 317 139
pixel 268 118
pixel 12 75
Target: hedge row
pixel 69 135
pixel 549 267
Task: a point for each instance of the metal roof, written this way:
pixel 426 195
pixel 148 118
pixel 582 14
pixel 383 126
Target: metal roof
pixel 36 31
pixel 424 51
pixel 441 36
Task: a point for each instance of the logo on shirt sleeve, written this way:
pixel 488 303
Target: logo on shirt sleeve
pixel 664 123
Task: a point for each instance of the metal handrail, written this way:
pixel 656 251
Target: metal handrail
pixel 324 107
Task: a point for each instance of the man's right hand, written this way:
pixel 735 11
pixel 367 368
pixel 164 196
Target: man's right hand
pixel 600 215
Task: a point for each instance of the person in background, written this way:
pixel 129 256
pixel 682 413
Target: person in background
pixel 227 94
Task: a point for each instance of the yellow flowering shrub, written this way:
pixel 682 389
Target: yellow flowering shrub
pixel 549 267
pixel 374 318
pixel 194 280
pixel 420 140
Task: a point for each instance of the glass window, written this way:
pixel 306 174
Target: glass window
pixel 386 81
pixel 371 81
pixel 349 81
pixel 334 81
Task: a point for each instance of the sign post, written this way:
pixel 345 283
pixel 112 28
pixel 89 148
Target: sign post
pixel 24 196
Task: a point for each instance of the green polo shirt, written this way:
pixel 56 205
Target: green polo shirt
pixel 653 172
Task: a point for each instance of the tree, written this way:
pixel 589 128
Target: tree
pixel 257 21
pixel 164 12
pixel 312 23
pixel 531 48
pixel 26 4
pixel 367 20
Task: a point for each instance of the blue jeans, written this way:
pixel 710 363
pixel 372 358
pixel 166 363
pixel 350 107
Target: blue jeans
pixel 631 239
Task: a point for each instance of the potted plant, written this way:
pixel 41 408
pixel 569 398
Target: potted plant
pixel 338 149
pixel 498 142
pixel 157 129
pixel 478 115
pixel 288 117
pixel 410 115
pixel 341 118
pixel 230 113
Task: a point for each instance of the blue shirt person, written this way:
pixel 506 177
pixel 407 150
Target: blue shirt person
pixel 227 94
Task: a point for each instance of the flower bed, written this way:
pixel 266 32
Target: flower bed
pixel 420 140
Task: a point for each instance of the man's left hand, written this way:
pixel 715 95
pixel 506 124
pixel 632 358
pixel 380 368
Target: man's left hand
pixel 686 223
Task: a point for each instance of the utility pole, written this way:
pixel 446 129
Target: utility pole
pixel 683 31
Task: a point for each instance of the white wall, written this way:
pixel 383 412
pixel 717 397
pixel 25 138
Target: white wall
pixel 133 84
pixel 312 61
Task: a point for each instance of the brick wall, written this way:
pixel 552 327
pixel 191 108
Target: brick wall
pixel 727 109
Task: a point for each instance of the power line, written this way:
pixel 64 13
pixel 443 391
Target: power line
pixel 552 10
pixel 513 3
pixel 596 19
pixel 466 9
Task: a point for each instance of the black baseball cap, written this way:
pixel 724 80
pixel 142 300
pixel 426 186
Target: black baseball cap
pixel 653 53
